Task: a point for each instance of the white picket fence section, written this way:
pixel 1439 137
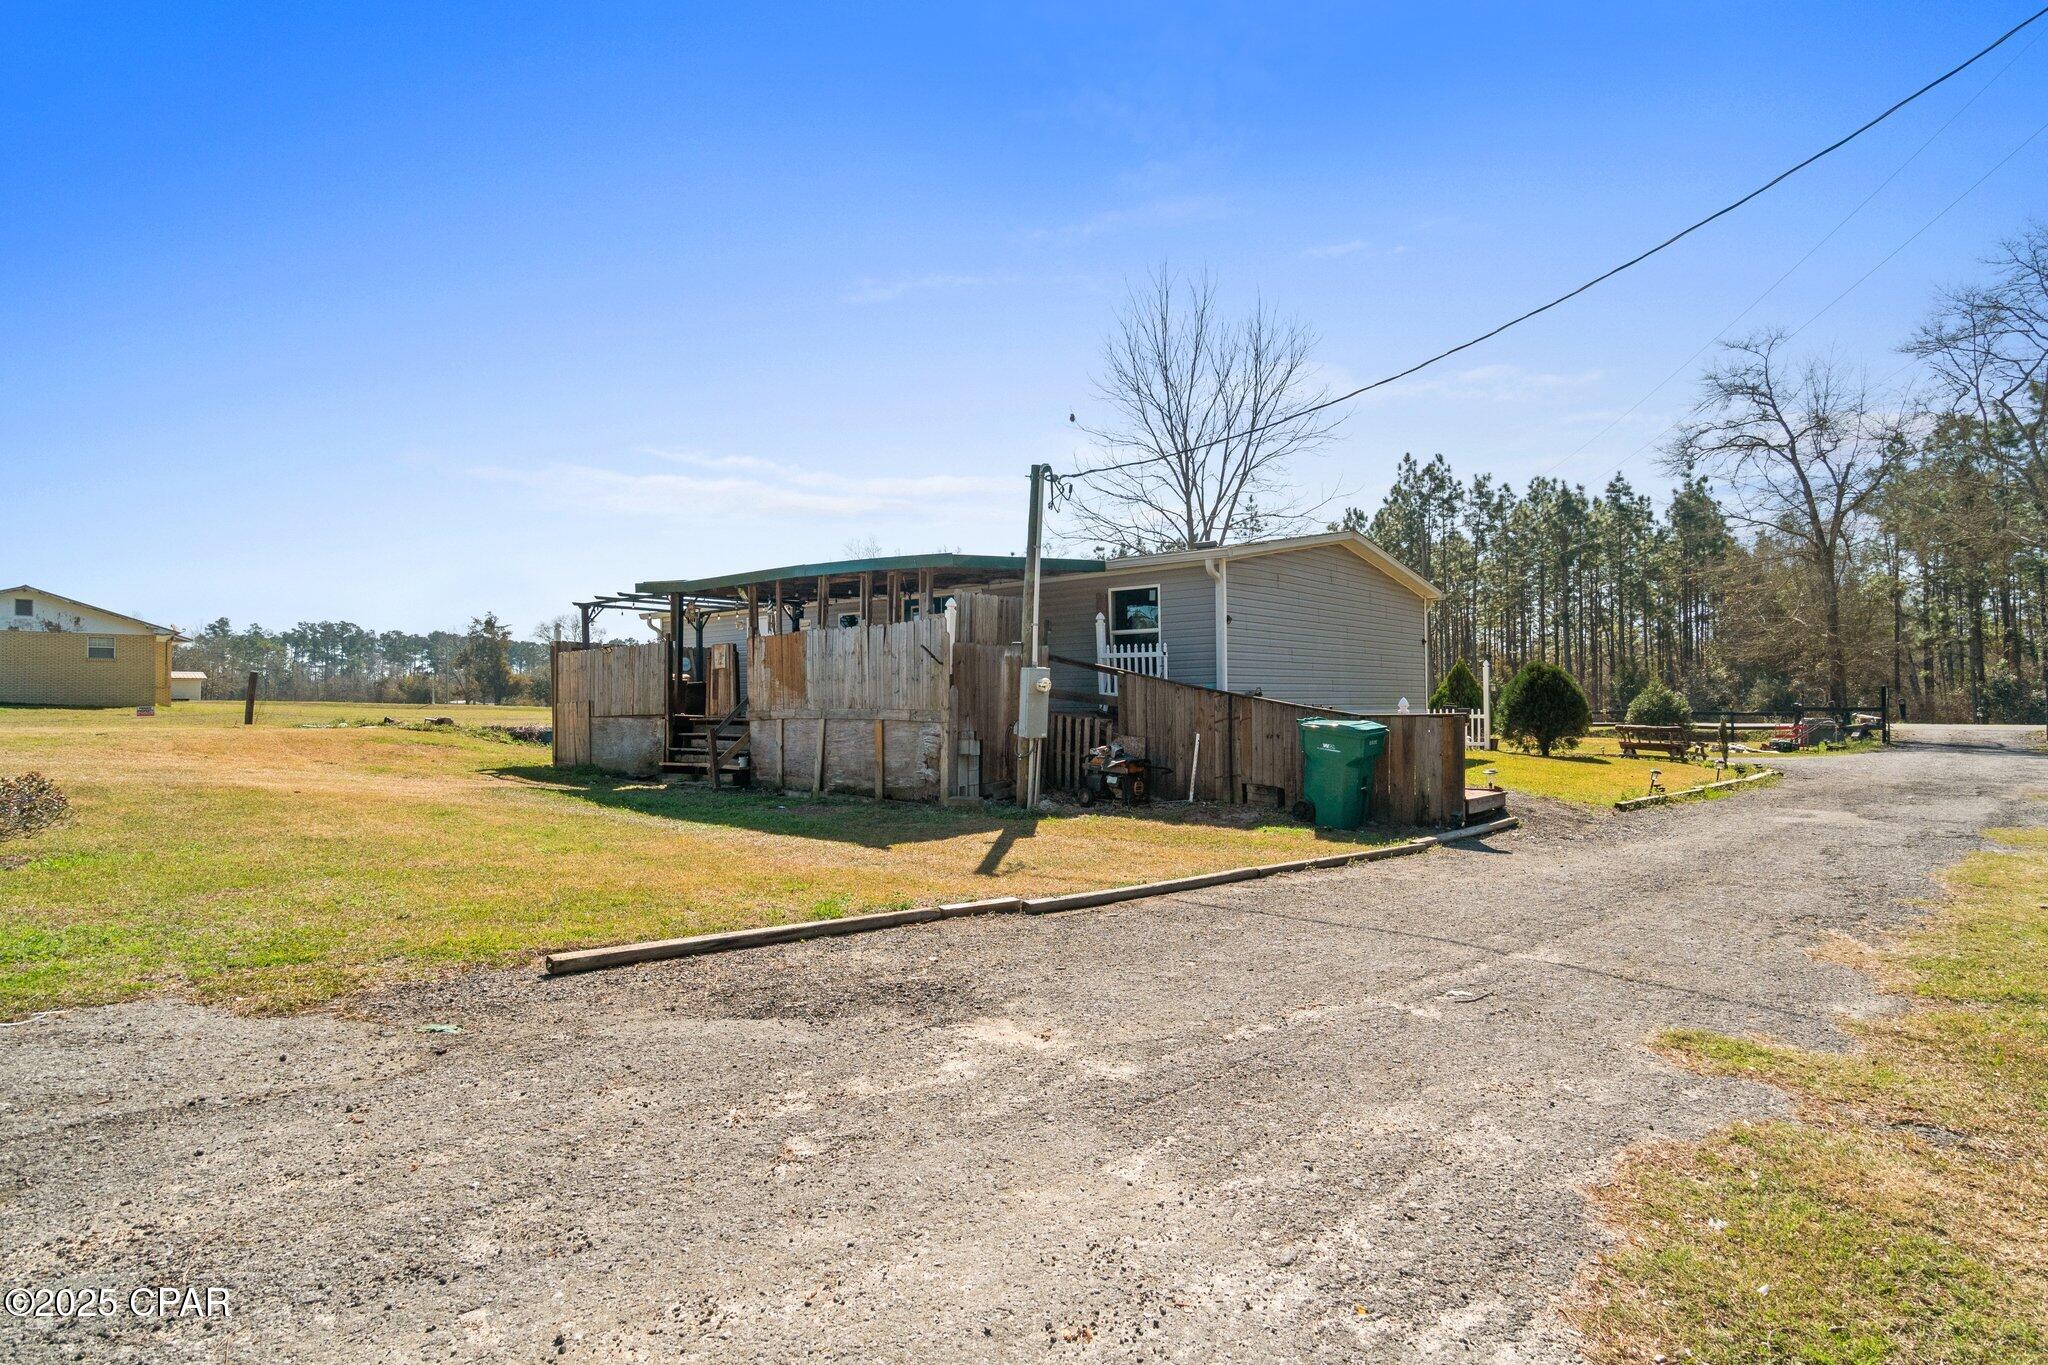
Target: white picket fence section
pixel 1138 657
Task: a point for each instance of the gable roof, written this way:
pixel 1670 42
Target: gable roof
pixel 1358 543
pixel 103 611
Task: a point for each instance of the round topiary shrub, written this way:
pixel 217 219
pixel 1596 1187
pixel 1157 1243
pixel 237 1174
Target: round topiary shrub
pixel 1542 705
pixel 1457 691
pixel 1657 704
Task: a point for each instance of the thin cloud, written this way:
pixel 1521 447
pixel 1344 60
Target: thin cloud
pixel 1157 213
pixel 869 290
pixel 1338 250
pixel 1488 384
pixel 791 491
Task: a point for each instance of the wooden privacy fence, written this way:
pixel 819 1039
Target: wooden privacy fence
pixel 1250 749
pixel 860 709
pixel 610 705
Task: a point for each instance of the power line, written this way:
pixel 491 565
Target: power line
pixel 1604 276
pixel 1860 280
pixel 1790 270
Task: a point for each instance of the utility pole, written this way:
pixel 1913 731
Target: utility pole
pixel 249 700
pixel 1030 737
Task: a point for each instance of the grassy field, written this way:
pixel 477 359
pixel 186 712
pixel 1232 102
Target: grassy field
pixel 1904 1216
pixel 285 864
pixel 1584 776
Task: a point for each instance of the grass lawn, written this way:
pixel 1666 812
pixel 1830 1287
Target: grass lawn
pixel 284 864
pixel 1904 1216
pixel 1587 777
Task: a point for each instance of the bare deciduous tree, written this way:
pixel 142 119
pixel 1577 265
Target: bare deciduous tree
pixel 1177 376
pixel 1801 451
pixel 1987 346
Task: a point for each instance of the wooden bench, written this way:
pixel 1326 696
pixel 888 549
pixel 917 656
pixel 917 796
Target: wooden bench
pixel 1675 742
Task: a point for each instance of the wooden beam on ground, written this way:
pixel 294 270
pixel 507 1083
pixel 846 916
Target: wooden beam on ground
pixel 626 954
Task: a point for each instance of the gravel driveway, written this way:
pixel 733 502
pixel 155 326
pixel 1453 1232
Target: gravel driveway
pixel 1343 1115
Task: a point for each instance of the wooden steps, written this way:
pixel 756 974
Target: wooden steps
pixel 713 747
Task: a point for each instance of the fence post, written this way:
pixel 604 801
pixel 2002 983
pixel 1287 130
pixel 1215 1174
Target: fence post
pixel 1486 699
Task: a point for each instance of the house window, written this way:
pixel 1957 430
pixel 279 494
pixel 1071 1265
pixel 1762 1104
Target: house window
pixel 1134 615
pixel 99 646
pixel 24 606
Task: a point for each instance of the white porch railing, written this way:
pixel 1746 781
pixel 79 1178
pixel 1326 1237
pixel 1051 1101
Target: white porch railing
pixel 1147 657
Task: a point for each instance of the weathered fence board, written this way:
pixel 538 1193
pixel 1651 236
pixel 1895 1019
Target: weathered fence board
pixel 1067 743
pixel 610 706
pixel 872 703
pixel 985 714
pixel 1251 749
pixel 982 619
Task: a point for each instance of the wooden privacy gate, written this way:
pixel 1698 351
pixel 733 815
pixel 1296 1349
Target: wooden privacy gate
pixel 1250 749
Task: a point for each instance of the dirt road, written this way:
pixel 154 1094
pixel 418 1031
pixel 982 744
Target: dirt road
pixel 1333 1117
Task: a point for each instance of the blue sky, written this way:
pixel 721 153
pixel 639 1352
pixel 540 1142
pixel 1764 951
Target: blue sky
pixel 397 314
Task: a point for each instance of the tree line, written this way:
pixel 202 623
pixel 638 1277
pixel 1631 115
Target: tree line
pixel 342 661
pixel 1821 539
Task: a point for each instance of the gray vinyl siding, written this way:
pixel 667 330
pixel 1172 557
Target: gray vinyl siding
pixel 726 628
pixel 1187 621
pixel 1324 628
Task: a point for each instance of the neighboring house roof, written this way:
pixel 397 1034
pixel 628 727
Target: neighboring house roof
pixel 103 611
pixel 1361 545
pixel 985 567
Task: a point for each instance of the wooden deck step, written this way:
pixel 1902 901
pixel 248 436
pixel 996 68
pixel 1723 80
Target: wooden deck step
pixel 1483 803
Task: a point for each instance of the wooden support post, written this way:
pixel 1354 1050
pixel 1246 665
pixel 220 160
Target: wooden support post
pixel 824 621
pixel 249 702
pixel 881 759
pixel 753 611
pixel 777 614
pixel 867 593
pixel 895 591
pixel 818 773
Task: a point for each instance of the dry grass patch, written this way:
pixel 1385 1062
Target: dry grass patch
pixel 1904 1216
pixel 279 866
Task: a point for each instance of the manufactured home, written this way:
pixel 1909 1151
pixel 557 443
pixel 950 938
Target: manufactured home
pixel 1328 620
pixel 58 651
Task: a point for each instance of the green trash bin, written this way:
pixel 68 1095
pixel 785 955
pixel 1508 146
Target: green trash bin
pixel 1337 758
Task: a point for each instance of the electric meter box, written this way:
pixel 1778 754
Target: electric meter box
pixel 1034 702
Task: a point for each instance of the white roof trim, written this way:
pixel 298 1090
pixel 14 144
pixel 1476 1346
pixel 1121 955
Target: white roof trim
pixel 103 611
pixel 1361 545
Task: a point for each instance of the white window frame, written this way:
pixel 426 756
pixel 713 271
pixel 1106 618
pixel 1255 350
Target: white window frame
pixel 1158 631
pixel 93 645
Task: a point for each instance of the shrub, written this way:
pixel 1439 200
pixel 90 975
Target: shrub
pixel 2007 697
pixel 1541 705
pixel 1657 704
pixel 1457 691
pixel 29 803
pixel 1628 680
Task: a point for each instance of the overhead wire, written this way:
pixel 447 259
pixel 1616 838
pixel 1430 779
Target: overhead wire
pixel 1573 293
